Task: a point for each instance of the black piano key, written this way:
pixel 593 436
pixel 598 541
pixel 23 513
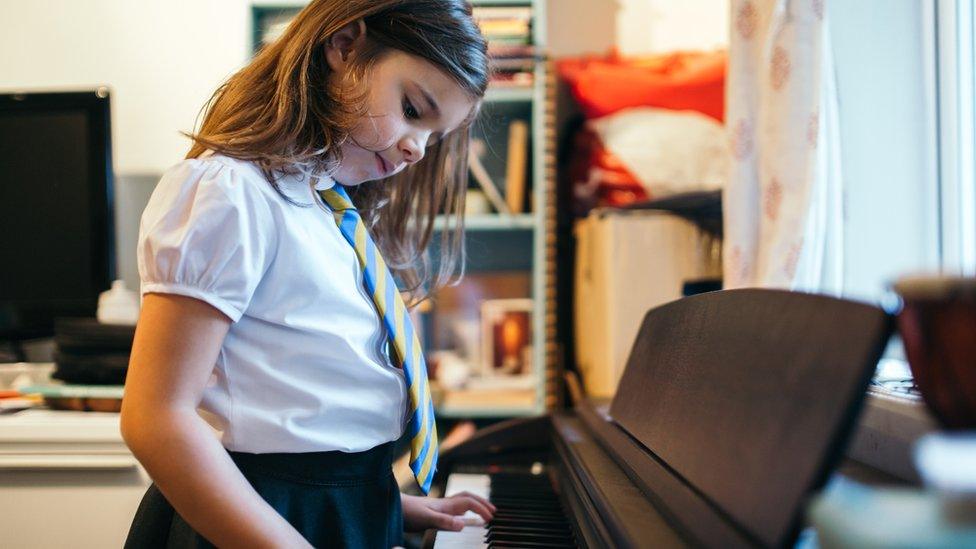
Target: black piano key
pixel 529 492
pixel 556 529
pixel 524 497
pixel 521 540
pixel 552 506
pixel 527 515
pixel 528 536
pixel 526 545
pixel 562 528
pixel 517 523
pixel 534 517
pixel 523 485
pixel 513 509
pixel 523 500
pixel 526 527
pixel 525 540
pixel 501 515
pixel 541 506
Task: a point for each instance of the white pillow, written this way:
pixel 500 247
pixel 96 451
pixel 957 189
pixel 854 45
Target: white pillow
pixel 668 151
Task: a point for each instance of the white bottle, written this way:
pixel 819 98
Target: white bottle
pixel 118 305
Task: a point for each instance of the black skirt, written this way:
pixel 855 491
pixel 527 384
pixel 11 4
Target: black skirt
pixel 335 499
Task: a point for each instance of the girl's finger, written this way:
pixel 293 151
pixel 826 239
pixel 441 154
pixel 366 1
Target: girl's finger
pixel 483 501
pixel 443 521
pixel 458 504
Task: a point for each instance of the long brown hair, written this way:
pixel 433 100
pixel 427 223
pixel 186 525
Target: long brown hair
pixel 281 112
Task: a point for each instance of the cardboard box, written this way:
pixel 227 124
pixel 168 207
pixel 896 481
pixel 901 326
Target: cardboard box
pixel 627 263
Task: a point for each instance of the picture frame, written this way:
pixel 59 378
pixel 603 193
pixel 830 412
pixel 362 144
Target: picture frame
pixel 506 338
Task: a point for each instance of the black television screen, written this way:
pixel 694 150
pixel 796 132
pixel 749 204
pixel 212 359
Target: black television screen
pixel 55 208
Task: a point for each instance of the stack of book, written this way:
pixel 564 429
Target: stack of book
pixel 509 33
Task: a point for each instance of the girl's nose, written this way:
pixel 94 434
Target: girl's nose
pixel 413 147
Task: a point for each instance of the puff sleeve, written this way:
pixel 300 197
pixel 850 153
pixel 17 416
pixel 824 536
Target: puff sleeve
pixel 207 233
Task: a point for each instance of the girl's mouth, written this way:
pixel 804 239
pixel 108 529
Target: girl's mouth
pixel 384 168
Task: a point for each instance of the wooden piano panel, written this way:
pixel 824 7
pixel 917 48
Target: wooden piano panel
pixel 749 395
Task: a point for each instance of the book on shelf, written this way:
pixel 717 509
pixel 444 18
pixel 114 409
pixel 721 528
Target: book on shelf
pixel 518 145
pixel 513 64
pixel 505 24
pixel 481 176
pixel 508 30
pixel 494 13
pixel 504 80
pixel 497 50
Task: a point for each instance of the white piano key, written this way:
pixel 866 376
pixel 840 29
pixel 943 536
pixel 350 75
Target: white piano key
pixel 462 482
pixel 470 537
pixel 479 485
pixel 473 534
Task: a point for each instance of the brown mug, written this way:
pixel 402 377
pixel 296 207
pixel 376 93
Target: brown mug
pixel 937 323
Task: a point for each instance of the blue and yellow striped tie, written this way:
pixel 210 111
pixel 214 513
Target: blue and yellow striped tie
pixel 403 339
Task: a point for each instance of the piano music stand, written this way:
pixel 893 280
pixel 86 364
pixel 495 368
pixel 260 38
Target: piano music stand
pixel 748 397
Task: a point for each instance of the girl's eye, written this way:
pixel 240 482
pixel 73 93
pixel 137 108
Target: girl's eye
pixel 409 110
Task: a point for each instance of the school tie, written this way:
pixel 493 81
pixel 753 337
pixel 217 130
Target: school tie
pixel 403 339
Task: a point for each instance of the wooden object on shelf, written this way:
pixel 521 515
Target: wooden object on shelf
pixel 518 143
pixel 483 179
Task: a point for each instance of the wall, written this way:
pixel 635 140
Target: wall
pixel 664 25
pixel 161 59
pixel 636 26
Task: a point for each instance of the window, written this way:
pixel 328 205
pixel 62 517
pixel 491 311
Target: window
pixel 953 22
pixel 905 87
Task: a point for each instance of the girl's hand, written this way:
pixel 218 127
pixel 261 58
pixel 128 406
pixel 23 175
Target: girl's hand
pixel 421 513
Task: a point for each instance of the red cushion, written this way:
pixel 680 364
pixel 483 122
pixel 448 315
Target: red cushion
pixel 680 81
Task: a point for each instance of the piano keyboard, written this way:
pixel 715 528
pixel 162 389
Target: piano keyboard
pixel 528 513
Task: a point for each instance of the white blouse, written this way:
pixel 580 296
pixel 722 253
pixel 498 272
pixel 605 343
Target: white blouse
pixel 304 367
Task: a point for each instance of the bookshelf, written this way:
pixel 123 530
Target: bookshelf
pixel 523 241
pixel 519 246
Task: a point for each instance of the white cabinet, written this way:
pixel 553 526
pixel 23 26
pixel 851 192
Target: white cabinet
pixel 66 480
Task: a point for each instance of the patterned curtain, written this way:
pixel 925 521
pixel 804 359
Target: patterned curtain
pixel 782 204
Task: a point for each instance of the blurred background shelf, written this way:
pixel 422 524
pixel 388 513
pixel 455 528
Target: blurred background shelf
pixel 486 403
pixel 489 412
pixel 510 256
pixel 493 222
pixel 502 95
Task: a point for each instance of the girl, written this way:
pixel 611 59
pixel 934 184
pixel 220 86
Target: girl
pixel 255 320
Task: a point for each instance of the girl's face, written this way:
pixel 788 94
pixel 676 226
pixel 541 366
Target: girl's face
pixel 412 104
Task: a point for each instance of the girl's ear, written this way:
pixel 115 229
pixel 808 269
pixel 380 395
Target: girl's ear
pixel 343 43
